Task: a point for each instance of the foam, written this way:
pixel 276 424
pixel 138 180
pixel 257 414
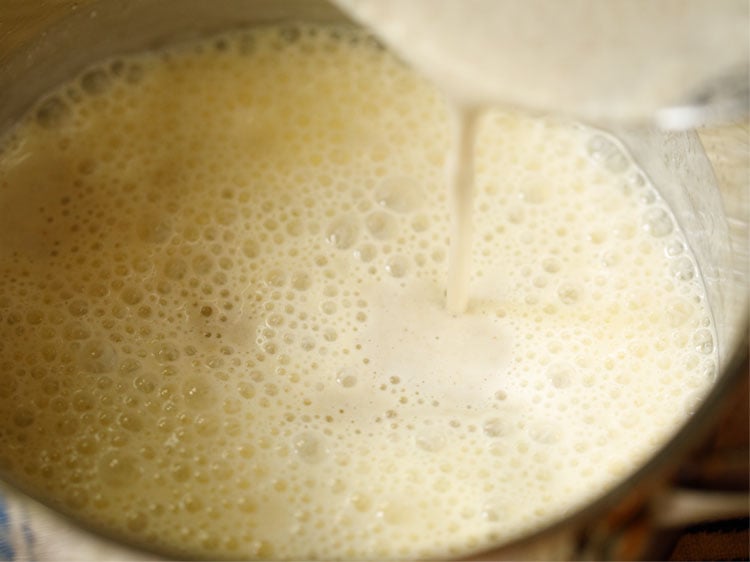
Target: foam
pixel 222 324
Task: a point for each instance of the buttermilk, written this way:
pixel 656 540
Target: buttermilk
pixel 223 329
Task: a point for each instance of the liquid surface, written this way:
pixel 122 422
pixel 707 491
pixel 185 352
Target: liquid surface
pixel 222 320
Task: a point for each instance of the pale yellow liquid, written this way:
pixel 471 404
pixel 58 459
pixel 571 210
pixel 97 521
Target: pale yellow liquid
pixel 223 329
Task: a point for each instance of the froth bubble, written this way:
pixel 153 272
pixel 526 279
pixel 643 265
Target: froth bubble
pixel 346 378
pixel 153 229
pixel 682 268
pixel 301 281
pixel 98 357
pixel 95 81
pixel 276 278
pixel 366 253
pixel 400 194
pixel 198 392
pixel 397 266
pixel 534 193
pixel 551 265
pixel 679 312
pixel 83 401
pixel 175 268
pixel 703 341
pixel 131 295
pixel 119 470
pixel 343 232
pixel 569 292
pixel 381 225
pixel 167 352
pixel 76 331
pixel 23 417
pixel 250 248
pixel 561 375
pixel 496 427
pixel 361 502
pixel 420 223
pixel 657 222
pixel 545 433
pixel 602 149
pixel 674 248
pixel 203 264
pixel 309 447
pixel 430 440
pixel 52 112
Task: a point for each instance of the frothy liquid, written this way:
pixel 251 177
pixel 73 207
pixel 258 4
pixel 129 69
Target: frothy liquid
pixel 222 320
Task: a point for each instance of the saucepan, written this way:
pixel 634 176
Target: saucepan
pixel 42 43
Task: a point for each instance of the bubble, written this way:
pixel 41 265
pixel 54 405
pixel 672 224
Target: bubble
pixel 83 401
pixel 366 253
pixel 682 268
pixel 598 147
pixel 137 522
pixel 199 392
pixel 347 378
pixel 674 248
pixel 87 445
pixel 400 194
pixel 180 472
pixel 361 502
pixel 74 331
pixel 569 293
pixel 534 193
pixel 561 375
pixel 545 433
pixel 251 249
pixel 175 268
pixel 397 266
pixel 679 311
pixel 203 264
pixel 131 295
pixel 153 229
pixel 420 223
pixel 129 366
pixel 144 384
pixel 496 427
pixel 119 470
pixel 23 417
pixel 430 440
pixel 381 225
pixel 657 222
pixel 95 82
pixel 703 341
pixel 301 281
pixel 328 307
pixel 167 352
pixel 52 112
pixel 551 265
pixel 98 356
pixel 131 422
pixel 309 447
pixel 343 232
